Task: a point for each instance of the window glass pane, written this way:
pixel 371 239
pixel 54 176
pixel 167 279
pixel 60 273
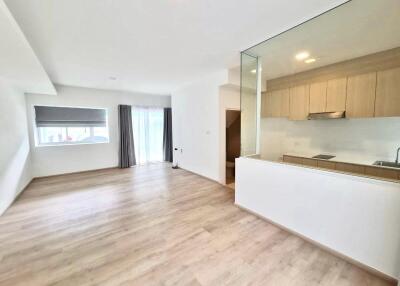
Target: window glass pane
pixel 72 135
pixel 52 134
pixel 78 134
pixel 148 124
pixel 156 126
pixel 99 134
pixel 248 104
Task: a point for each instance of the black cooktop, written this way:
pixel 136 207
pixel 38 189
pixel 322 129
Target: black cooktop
pixel 323 156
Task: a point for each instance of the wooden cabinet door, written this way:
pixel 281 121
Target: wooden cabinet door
pixel 326 165
pixel 299 102
pixel 275 104
pixel 318 97
pixel 292 159
pixel 284 98
pixel 381 172
pixel 336 95
pixel 360 100
pixel 310 162
pixel 388 93
pixel 350 168
pixel 266 104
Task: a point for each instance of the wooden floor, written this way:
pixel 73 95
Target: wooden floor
pixel 153 225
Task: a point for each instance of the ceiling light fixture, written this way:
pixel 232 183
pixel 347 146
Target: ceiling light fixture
pixel 302 56
pixel 309 61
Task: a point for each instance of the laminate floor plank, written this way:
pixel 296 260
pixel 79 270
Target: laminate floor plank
pixel 153 225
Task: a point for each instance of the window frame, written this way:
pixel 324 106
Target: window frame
pixel 39 144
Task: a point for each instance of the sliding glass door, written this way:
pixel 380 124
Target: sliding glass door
pixel 148 124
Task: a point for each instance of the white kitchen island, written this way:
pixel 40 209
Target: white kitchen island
pixel 356 217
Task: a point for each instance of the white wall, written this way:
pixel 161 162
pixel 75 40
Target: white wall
pixel 357 217
pixel 15 164
pixel 52 160
pixel 373 137
pixel 19 63
pixel 196 125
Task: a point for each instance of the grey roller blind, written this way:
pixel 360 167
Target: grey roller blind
pixel 50 116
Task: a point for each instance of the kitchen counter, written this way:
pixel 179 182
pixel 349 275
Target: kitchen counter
pixel 344 158
pixel 349 165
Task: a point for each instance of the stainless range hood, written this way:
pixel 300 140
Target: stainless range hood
pixel 327 115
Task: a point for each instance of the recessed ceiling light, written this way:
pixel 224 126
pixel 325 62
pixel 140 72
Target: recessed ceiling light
pixel 112 78
pixel 309 61
pixel 302 56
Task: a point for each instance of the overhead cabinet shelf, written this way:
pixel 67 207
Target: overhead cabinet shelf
pixel 299 102
pixel 276 103
pixel 388 93
pixel 361 95
pixel 368 87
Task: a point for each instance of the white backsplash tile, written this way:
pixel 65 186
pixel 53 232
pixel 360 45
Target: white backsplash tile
pixel 370 137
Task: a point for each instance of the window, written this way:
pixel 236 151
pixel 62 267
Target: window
pixel 65 125
pixel 148 126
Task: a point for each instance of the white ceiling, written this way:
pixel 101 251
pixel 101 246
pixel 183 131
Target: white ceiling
pixel 18 63
pixel 354 29
pixel 150 45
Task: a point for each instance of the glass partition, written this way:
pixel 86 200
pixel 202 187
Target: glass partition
pixel 328 93
pixel 248 104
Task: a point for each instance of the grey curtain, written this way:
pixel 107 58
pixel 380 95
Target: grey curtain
pixel 167 137
pixel 126 145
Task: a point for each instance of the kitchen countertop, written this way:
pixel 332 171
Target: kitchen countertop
pixel 343 158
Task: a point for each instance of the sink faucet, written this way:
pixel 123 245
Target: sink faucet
pixel 397 156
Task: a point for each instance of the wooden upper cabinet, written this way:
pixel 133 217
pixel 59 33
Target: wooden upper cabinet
pixel 336 95
pixel 328 96
pixel 388 93
pixel 275 103
pixel 266 105
pixel 318 97
pixel 299 102
pixel 360 100
pixel 284 101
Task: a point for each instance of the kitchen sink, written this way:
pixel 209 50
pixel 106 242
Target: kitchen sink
pixel 386 164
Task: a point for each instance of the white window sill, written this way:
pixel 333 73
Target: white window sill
pixel 69 144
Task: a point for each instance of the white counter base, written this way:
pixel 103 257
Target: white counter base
pixel 356 217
